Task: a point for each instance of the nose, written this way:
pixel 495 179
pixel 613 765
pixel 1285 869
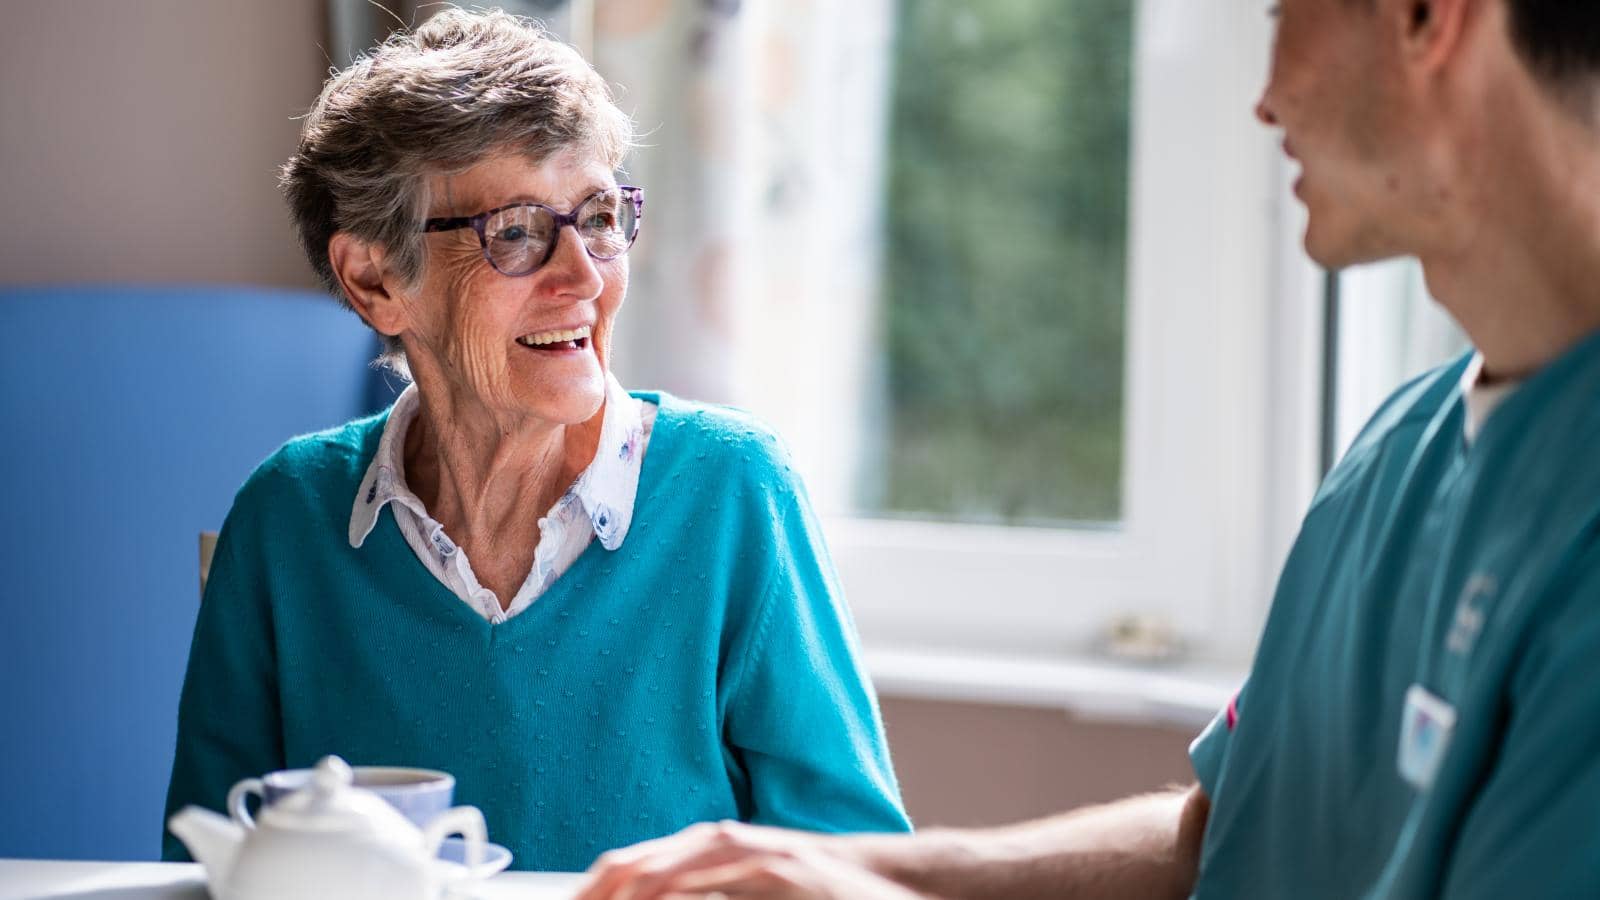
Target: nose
pixel 571 272
pixel 1264 113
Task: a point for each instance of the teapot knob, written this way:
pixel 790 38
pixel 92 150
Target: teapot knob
pixel 331 774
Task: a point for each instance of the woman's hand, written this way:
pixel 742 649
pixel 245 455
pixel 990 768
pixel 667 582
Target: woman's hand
pixel 733 860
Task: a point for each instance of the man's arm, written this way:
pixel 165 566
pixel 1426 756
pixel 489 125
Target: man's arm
pixel 1146 846
pixel 1140 847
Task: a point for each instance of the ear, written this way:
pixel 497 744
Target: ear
pixel 1431 30
pixel 359 266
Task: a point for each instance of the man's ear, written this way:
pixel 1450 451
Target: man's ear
pixel 359 266
pixel 1431 31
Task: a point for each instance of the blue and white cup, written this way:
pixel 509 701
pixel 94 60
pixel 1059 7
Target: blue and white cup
pixel 419 794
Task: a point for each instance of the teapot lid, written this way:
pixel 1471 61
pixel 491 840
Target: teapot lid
pixel 331 803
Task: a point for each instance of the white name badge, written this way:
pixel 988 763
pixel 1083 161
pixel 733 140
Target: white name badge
pixel 1424 735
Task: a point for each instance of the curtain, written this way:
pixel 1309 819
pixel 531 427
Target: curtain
pixel 763 133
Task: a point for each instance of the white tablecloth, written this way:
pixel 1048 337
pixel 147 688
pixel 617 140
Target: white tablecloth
pixel 30 879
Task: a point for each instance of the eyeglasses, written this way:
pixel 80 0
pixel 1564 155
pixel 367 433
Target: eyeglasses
pixel 519 238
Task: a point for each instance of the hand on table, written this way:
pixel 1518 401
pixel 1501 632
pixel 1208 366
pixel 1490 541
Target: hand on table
pixel 732 860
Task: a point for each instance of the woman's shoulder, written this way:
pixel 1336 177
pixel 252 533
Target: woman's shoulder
pixel 318 462
pixel 716 435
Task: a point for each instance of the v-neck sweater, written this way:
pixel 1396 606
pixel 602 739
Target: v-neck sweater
pixel 707 669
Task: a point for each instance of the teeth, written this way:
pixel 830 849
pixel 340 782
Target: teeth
pixel 553 337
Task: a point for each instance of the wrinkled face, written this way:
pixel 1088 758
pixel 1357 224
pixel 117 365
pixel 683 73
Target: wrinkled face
pixel 1337 91
pixel 536 345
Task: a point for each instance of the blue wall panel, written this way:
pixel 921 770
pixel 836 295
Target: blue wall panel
pixel 128 418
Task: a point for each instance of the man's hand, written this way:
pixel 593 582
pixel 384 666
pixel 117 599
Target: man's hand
pixel 790 875
pixel 1145 846
pixel 736 861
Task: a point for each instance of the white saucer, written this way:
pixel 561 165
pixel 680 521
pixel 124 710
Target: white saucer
pixel 453 853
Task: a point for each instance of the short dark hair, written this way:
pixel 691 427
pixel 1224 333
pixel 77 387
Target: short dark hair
pixel 1560 39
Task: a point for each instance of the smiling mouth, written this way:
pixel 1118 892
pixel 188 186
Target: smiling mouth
pixel 557 341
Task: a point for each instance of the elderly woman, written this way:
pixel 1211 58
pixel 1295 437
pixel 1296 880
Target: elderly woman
pixel 610 615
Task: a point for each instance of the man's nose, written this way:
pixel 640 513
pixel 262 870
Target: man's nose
pixel 1264 113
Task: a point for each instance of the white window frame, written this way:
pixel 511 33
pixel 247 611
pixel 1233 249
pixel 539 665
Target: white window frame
pixel 1221 394
pixel 1390 331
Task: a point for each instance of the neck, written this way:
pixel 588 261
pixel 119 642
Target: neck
pixel 486 476
pixel 1523 276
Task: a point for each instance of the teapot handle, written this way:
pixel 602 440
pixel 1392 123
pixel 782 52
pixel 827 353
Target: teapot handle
pixel 236 801
pixel 466 821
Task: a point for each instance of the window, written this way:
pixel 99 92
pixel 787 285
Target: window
pixel 1020 284
pixel 1065 370
pixel 1005 263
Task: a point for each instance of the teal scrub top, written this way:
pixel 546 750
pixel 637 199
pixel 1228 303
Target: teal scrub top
pixel 1423 714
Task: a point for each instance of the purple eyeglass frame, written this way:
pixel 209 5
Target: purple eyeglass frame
pixel 630 194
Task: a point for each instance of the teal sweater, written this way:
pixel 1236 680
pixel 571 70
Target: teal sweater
pixel 707 669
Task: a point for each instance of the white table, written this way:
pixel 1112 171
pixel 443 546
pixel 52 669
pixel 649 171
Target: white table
pixel 31 879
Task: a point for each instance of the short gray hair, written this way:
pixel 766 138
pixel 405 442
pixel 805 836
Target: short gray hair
pixel 437 100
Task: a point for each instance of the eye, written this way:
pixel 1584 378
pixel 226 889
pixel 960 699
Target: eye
pixel 601 221
pixel 512 233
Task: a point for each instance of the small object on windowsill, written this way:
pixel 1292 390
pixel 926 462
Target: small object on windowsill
pixel 1142 638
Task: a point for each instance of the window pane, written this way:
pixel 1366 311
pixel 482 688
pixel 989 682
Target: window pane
pixel 1005 265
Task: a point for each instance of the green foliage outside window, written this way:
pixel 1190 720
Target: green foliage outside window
pixel 1006 261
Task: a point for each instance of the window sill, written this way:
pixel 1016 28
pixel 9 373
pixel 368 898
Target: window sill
pixel 1183 696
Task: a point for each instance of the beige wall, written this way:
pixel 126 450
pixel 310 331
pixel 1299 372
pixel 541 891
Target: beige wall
pixel 138 140
pixel 973 764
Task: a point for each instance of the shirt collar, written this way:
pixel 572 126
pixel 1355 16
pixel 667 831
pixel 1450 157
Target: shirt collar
pixel 611 483
pixel 607 488
pixel 1481 398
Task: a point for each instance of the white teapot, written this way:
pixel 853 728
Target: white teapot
pixel 328 839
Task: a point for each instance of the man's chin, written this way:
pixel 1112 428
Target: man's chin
pixel 1337 248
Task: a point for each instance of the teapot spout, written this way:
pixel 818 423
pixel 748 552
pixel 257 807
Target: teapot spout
pixel 211 839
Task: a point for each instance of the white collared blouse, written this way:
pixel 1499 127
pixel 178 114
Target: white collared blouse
pixel 599 504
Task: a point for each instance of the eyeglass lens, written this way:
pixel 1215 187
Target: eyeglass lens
pixel 522 238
